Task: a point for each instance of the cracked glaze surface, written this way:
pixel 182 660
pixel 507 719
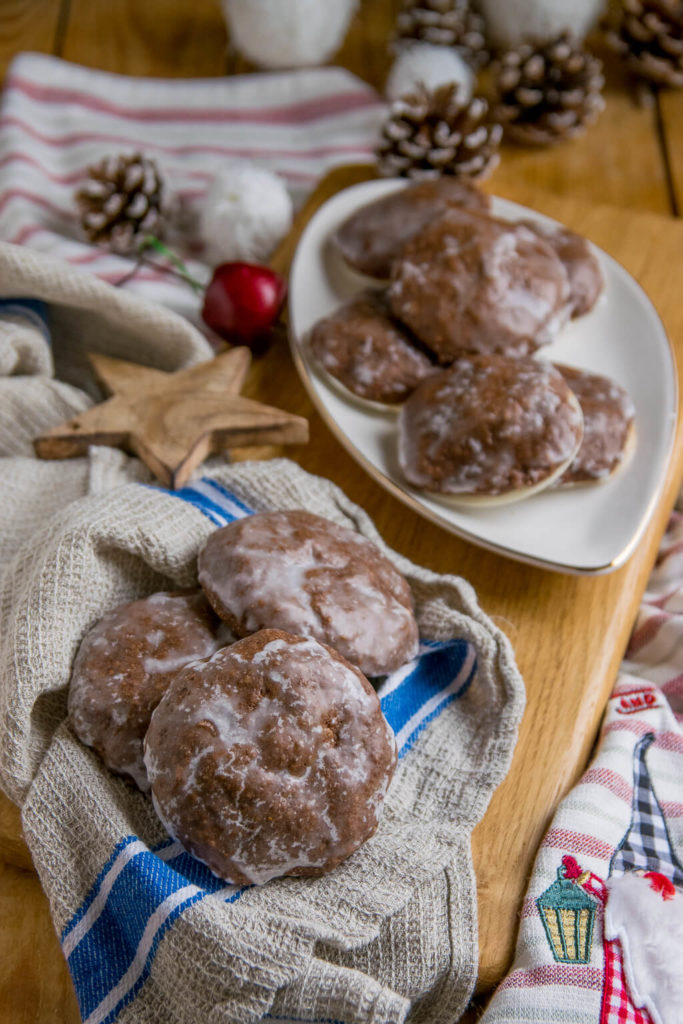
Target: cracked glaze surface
pixel 469 283
pixel 488 425
pixel 369 352
pixel 370 239
pixel 608 425
pixel 124 665
pixel 270 758
pixel 307 575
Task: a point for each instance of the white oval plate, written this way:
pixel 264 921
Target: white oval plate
pixel 590 529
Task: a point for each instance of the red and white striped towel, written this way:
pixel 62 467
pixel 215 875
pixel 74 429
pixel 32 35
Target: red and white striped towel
pixel 622 821
pixel 58 118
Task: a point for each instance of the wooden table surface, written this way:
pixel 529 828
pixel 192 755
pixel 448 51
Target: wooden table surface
pixel 622 185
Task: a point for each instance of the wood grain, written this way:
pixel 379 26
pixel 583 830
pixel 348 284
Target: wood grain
pixel 27 25
pixel 618 160
pixel 35 987
pixel 366 49
pixel 13 849
pixel 170 38
pixel 671 118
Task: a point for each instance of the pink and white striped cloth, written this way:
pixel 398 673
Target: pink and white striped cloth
pixel 622 822
pixel 58 118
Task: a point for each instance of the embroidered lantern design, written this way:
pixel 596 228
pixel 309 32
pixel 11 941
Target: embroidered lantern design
pixel 568 915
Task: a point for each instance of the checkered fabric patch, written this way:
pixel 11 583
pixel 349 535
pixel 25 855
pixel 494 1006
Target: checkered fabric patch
pixel 617 1007
pixel 647 844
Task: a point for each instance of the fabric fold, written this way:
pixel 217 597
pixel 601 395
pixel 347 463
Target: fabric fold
pixel 601 932
pixel 59 118
pixel 111 546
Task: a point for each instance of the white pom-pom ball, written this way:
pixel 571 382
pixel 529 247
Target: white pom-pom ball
pixel 247 211
pixel 431 65
pixel 509 22
pixel 288 33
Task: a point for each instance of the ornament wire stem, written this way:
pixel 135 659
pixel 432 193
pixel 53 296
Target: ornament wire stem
pixel 177 269
pixel 151 242
pixel 131 273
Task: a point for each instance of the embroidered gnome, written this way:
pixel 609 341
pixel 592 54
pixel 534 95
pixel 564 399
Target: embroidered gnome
pixel 645 913
pixel 641 910
pixel 618 1005
pixel 602 941
pixel 644 909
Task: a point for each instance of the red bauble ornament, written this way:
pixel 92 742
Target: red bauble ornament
pixel 242 302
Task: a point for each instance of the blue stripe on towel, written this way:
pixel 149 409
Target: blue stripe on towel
pixel 33 310
pixel 110 954
pixel 230 501
pixel 96 887
pixel 111 941
pixel 211 498
pixel 440 674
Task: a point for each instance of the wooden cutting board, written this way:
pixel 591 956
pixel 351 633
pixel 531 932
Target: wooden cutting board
pixel 569 632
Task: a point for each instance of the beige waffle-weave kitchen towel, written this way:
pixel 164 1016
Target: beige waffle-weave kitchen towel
pixel 147 932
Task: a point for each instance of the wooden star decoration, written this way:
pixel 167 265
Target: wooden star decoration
pixel 173 421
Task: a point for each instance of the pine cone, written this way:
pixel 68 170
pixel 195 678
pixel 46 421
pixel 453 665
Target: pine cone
pixel 548 92
pixel 121 202
pixel 432 133
pixel 445 23
pixel 648 34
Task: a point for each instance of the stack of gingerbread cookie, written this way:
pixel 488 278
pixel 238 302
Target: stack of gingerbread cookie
pixel 245 707
pixel 454 305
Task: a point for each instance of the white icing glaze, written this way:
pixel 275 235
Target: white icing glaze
pixel 367 352
pixel 123 666
pixel 586 280
pixel 489 425
pixel 608 425
pixel 473 283
pixel 321 581
pixel 288 769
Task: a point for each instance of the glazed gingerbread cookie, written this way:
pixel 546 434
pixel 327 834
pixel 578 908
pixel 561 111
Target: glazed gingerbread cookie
pixel 468 283
pixel 586 280
pixel 608 426
pixel 270 758
pixel 489 427
pixel 124 666
pixel 374 235
pixel 299 572
pixel 368 352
